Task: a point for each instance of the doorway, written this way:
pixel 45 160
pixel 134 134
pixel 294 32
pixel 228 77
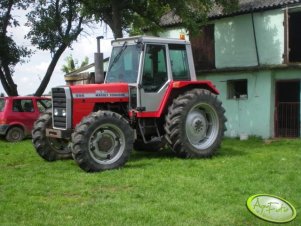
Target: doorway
pixel 287 109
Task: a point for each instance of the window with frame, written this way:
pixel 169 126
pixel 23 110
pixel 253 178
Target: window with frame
pixel 154 69
pixel 23 106
pixel 237 89
pixel 179 62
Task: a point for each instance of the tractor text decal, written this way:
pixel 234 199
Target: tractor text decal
pixel 99 94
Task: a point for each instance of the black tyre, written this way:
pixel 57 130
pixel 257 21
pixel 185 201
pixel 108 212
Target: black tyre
pixel 102 141
pixel 49 148
pixel 195 124
pixel 15 134
pixel 152 146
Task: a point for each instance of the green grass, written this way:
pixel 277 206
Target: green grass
pixel 152 189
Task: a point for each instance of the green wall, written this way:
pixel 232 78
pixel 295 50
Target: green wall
pixel 235 46
pixel 235 42
pixel 253 115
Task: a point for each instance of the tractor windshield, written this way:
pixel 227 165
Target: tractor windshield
pixel 124 64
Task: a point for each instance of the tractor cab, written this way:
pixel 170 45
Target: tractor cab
pixel 149 64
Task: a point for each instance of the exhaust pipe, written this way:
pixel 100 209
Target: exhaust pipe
pixel 98 62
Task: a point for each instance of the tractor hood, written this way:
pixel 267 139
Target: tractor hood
pixel 97 93
pixel 87 97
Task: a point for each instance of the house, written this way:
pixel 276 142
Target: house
pixel 253 56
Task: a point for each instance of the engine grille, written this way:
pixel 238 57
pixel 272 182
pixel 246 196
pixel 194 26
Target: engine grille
pixel 59 105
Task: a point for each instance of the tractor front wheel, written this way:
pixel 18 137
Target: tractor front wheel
pixel 49 148
pixel 101 141
pixel 195 124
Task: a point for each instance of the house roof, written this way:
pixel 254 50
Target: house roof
pixel 245 6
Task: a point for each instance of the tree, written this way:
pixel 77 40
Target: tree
pixel 55 25
pixel 10 52
pixel 72 65
pixel 130 15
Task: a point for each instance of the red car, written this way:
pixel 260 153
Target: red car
pixel 18 114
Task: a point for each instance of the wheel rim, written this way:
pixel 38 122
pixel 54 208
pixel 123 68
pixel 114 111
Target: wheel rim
pixel 106 144
pixel 16 134
pixel 202 126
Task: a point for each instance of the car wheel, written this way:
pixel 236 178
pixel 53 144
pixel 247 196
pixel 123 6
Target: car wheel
pixel 15 134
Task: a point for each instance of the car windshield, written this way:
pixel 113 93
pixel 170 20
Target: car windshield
pixel 2 104
pixel 124 64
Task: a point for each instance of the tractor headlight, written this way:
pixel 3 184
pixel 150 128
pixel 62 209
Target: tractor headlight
pixel 56 112
pixel 64 112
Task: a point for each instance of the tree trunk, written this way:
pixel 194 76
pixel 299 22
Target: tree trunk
pixel 116 19
pixel 7 82
pixel 50 70
pixel 5 74
pixel 4 83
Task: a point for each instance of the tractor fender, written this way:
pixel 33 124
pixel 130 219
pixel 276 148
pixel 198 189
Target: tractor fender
pixel 205 84
pixel 174 89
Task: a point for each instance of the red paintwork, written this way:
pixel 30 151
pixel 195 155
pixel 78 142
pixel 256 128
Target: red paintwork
pixel 84 106
pixel 22 119
pixel 204 83
pixel 175 85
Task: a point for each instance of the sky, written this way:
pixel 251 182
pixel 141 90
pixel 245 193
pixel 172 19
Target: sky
pixel 28 75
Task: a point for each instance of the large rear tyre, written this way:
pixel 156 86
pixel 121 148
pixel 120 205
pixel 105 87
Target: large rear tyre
pixel 102 141
pixel 49 148
pixel 195 124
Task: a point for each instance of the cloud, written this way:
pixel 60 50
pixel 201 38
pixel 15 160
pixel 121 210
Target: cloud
pixel 32 67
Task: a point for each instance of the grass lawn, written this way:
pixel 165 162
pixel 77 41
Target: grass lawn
pixel 152 189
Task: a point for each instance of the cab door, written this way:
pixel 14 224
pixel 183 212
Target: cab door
pixel 154 77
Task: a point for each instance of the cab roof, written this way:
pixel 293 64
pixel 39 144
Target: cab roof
pixel 149 39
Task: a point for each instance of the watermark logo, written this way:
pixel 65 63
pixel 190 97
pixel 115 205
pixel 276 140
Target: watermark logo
pixel 271 208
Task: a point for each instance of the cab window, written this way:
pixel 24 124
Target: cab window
pixel 154 69
pixel 179 62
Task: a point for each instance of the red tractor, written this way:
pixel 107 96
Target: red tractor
pixel 150 97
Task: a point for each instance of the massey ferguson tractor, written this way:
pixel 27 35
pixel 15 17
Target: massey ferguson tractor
pixel 150 98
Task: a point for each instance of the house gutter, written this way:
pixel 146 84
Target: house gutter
pixel 255 39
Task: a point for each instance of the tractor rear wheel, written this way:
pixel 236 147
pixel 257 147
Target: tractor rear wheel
pixel 101 141
pixel 195 124
pixel 49 148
